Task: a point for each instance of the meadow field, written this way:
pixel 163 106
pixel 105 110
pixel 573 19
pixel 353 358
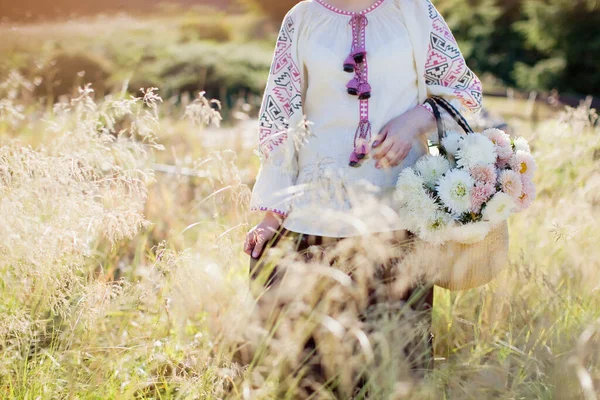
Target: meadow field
pixel 124 208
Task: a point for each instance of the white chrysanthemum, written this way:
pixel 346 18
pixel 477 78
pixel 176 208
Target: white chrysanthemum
pixel 521 144
pixel 414 202
pixel 409 186
pixel 499 208
pixel 434 228
pixel 454 189
pixel 452 142
pixel 421 207
pixel 431 168
pixel 476 150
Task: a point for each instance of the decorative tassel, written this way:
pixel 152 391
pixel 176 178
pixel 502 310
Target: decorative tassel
pixel 353 87
pixel 354 160
pixel 359 55
pixel 361 140
pixel 364 91
pixel 359 86
pixel 349 64
pixel 361 149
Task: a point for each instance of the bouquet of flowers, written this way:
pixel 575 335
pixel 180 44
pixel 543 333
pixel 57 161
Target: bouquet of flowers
pixel 471 184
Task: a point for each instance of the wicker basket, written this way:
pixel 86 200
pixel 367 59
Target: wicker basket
pixel 458 266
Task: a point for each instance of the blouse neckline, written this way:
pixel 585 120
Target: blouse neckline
pixel 350 13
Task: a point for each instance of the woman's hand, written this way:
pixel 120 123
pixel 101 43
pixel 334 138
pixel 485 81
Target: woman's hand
pixel 396 139
pixel 260 235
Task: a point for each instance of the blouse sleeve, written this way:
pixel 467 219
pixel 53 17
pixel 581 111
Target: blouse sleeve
pixel 280 115
pixel 446 72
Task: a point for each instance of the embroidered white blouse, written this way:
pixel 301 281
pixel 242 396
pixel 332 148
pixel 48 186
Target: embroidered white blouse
pixel 336 79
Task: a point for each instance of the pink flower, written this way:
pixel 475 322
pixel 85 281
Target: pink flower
pixel 528 195
pixel 485 174
pixel 523 163
pixel 502 142
pixel 498 137
pixel 480 194
pixel 504 153
pixel 511 183
pixel 502 163
pixel 504 156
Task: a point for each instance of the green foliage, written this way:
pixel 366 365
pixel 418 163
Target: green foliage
pixel 484 30
pixel 566 34
pixel 531 44
pixel 67 70
pixel 192 52
pixel 275 9
pixel 545 74
pixel 224 71
pixel 212 27
pixel 28 10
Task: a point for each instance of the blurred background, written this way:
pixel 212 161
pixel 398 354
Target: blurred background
pixel 224 46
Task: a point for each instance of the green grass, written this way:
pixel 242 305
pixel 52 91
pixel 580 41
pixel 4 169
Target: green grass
pixel 164 322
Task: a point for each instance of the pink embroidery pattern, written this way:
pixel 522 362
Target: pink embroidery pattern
pixel 428 108
pixel 359 85
pixel 445 65
pixel 273 210
pixel 362 135
pixel 284 97
pixel 337 10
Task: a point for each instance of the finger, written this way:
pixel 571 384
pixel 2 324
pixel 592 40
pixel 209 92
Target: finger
pixel 400 154
pixel 403 152
pixel 396 155
pixel 249 243
pixel 384 163
pixel 380 137
pixel 387 161
pixel 259 246
pixel 383 149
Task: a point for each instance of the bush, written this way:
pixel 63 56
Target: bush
pixel 546 74
pixel 206 28
pixel 541 44
pixel 224 71
pixel 566 35
pixel 485 32
pixel 65 71
pixel 275 9
pixel 253 27
pixel 33 10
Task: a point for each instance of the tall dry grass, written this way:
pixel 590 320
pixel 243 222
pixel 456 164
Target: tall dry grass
pixel 119 283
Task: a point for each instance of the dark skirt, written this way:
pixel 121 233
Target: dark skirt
pixel 418 296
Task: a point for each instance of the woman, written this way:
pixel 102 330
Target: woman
pixel 344 112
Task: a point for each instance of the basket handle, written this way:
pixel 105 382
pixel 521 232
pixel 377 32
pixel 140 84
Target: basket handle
pixel 437 102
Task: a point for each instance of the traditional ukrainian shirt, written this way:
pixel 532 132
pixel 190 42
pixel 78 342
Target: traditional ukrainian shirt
pixel 336 80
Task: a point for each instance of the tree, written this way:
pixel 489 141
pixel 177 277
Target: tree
pixel 485 32
pixel 274 9
pixel 565 33
pixel 34 10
